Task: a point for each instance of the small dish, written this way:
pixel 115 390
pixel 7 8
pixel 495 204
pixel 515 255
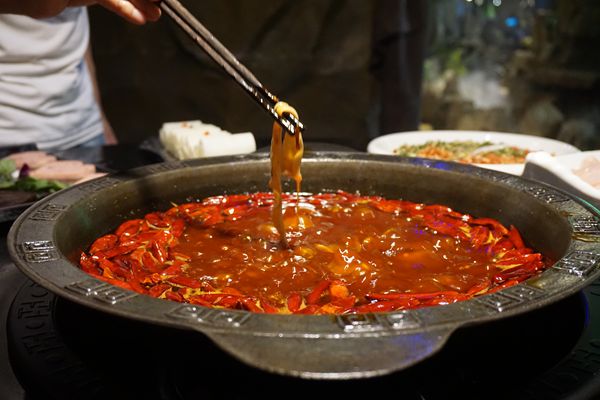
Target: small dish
pixel 387 143
pixel 561 172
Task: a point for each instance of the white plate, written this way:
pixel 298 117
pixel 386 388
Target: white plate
pixel 387 143
pixel 559 171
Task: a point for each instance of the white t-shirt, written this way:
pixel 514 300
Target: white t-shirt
pixel 46 95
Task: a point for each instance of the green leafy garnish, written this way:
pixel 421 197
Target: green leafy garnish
pixel 30 184
pixel 7 168
pixel 27 183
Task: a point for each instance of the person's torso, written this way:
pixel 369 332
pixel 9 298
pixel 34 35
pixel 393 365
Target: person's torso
pixel 46 95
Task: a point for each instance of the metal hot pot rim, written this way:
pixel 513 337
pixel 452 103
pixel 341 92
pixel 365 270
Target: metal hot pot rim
pixel 47 239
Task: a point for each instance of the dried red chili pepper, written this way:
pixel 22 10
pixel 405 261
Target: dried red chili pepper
pixel 376 249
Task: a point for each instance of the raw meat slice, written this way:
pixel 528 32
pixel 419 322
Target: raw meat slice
pixel 63 170
pixel 34 159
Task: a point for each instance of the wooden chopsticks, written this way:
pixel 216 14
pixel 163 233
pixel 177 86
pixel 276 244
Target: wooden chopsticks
pixel 222 56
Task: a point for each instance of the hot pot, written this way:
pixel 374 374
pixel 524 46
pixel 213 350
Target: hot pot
pixel 46 240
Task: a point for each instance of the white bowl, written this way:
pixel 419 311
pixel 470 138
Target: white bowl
pixel 559 172
pixel 387 143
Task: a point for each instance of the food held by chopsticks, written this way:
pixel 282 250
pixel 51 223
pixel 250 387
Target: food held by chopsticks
pixel 195 139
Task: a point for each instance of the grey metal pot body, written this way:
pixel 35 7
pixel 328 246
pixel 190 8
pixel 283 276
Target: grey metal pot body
pixel 47 239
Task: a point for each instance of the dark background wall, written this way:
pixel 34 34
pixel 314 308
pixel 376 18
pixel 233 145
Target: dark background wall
pixel 315 54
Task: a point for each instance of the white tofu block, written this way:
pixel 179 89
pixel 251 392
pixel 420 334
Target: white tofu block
pixel 238 143
pixel 194 139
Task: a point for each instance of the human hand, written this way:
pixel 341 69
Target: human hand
pixel 135 11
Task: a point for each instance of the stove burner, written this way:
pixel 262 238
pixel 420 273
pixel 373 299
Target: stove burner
pixel 61 350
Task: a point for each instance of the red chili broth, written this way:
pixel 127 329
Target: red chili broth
pixel 345 253
pixel 370 250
